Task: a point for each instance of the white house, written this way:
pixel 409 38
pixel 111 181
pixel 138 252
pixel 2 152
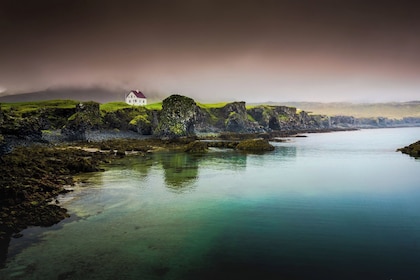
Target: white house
pixel 136 97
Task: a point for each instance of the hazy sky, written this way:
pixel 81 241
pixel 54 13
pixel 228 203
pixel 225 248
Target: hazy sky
pixel 215 50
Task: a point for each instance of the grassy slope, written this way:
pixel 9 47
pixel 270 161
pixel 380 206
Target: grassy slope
pixel 114 106
pixel 24 107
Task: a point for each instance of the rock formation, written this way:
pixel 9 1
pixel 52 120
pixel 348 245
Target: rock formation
pixel 177 117
pixel 411 150
pixel 87 117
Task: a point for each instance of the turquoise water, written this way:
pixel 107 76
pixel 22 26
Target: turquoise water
pixel 339 205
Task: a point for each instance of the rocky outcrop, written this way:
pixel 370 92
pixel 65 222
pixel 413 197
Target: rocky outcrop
pixel 87 117
pixel 196 147
pixel 255 145
pixel 177 118
pixel 24 128
pixel 411 150
pixel 233 117
pixel 275 118
pixel 54 118
pixel 143 123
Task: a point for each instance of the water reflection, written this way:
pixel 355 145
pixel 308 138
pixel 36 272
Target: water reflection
pixel 180 170
pixel 284 151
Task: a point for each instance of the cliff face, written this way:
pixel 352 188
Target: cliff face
pixel 272 118
pixel 233 117
pixel 87 117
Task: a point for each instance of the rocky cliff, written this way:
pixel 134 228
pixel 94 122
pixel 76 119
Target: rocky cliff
pixel 177 118
pixel 87 117
pixel 180 116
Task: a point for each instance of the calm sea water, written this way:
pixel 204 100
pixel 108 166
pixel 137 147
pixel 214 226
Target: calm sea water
pixel 339 205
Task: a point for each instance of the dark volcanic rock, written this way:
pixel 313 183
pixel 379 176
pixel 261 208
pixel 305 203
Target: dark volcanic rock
pixel 235 116
pixel 276 118
pixel 31 177
pixel 54 118
pixel 177 117
pixel 87 117
pixel 20 127
pixel 255 145
pixel 196 147
pixel 412 150
pixel 137 119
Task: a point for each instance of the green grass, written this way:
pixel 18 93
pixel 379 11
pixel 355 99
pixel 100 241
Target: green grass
pixel 25 107
pixel 250 118
pixel 154 106
pixel 140 118
pixel 114 106
pixel 212 105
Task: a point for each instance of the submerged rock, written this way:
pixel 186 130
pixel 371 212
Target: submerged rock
pixel 255 145
pixel 196 147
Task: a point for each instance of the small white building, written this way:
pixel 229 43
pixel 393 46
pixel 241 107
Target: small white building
pixel 136 98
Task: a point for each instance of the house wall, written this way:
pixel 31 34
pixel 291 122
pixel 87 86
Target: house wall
pixel 132 99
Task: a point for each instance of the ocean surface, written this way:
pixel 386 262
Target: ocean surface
pixel 342 205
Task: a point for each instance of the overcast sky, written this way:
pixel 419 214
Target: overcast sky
pixel 295 50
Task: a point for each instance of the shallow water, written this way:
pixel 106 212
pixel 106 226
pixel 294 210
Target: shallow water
pixel 339 205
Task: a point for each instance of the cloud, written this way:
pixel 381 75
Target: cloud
pixel 215 49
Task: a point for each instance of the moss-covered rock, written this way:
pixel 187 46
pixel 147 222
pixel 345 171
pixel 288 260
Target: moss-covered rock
pixel 142 123
pixel 19 125
pixel 54 118
pixel 135 118
pixel 177 117
pixel 412 150
pixel 196 147
pixel 31 177
pixel 255 145
pixel 276 118
pixel 87 117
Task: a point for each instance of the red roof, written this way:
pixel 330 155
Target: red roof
pixel 138 93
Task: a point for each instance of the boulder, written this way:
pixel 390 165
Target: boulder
pixel 177 117
pixel 255 145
